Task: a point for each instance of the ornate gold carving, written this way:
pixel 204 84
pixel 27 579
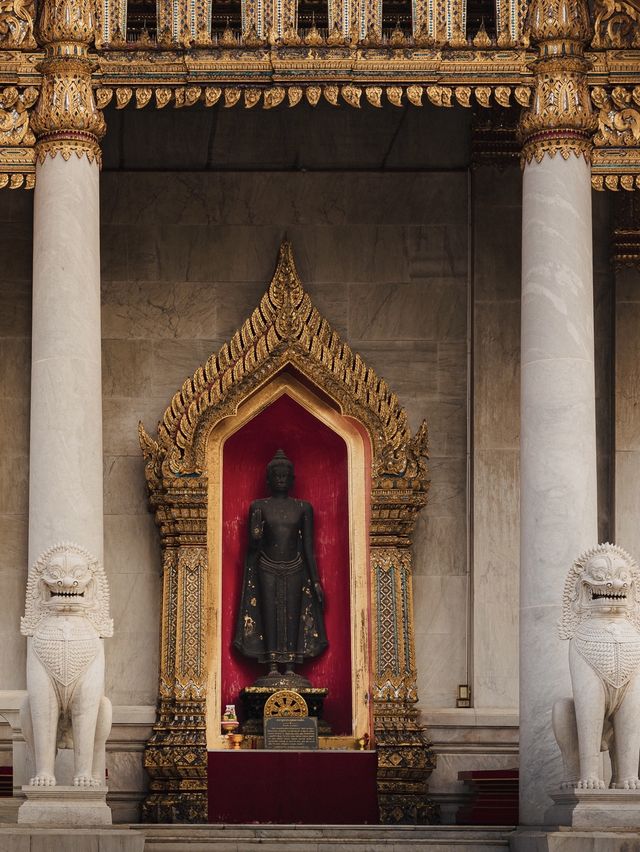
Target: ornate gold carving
pixel 66 21
pixel 394 95
pixel 331 94
pixel 103 97
pixel 352 95
pixel 617 24
pixel 143 96
pixel 123 96
pixel 211 95
pixel 251 97
pixel 405 761
pixel 285 327
pixel 16 24
pixel 14 116
pixel 285 332
pixel 560 119
pixel 66 118
pixel 294 94
pixel 481 38
pixel 414 95
pixel 273 97
pixel 312 94
pixel 163 96
pixel 463 96
pixel 232 96
pixel 618 116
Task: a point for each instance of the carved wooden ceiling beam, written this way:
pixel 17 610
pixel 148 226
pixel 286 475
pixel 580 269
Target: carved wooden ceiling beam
pixel 265 68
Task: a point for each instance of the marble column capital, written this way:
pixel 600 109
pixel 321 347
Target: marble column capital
pixel 560 118
pixel 66 119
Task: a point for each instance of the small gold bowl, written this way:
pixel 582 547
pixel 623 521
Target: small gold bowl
pixel 235 741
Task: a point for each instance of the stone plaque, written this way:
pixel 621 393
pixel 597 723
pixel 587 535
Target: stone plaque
pixel 295 733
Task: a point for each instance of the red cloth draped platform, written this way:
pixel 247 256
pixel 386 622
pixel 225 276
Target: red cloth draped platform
pixel 306 787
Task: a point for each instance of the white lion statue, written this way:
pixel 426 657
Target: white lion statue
pixel 601 618
pixel 66 616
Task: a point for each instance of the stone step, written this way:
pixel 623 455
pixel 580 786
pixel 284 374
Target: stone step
pixel 279 838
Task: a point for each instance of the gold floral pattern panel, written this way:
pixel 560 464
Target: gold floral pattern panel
pixel 111 23
pixel 184 22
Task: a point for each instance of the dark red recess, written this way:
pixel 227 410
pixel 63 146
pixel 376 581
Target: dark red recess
pixel 320 459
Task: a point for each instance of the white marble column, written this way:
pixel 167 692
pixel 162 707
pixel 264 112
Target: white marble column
pixel 558 446
pixel 65 483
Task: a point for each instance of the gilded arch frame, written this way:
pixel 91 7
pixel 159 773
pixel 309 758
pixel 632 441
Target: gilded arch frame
pixel 285 330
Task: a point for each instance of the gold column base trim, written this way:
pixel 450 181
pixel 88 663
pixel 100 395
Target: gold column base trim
pixel 66 143
pixel 565 141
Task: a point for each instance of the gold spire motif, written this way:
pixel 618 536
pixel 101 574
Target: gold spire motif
pixel 560 117
pixel 66 118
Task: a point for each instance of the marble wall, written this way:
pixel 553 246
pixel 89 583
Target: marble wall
pixel 16 214
pixel 496 435
pixel 627 409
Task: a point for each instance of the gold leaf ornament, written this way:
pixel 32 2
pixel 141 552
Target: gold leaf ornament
pixel 463 95
pixel 143 96
pixel 414 95
pixel 483 96
pixel 352 95
pixel 331 94
pixel 374 96
pixel 294 95
pixel 163 96
pixel 211 95
pixel 273 97
pixel 313 95
pixel 251 97
pixel 231 97
pixel 394 95
pixel 103 97
pixel 123 96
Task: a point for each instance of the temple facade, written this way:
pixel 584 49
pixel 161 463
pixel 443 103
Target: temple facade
pixel 447 194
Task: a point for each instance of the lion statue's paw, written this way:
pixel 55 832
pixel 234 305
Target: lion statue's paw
pixel 591 784
pixel 85 781
pixel 569 785
pixel 43 780
pixel 628 784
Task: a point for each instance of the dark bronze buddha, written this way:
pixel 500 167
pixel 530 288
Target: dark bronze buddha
pixel 280 621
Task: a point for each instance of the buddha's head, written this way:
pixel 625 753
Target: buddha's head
pixel 280 473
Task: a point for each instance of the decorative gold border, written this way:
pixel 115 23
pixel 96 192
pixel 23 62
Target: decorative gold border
pixel 358 525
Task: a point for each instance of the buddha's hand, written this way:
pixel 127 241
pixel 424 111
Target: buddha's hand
pixel 319 593
pixel 256 524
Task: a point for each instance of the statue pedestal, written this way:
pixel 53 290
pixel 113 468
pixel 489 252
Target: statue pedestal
pixel 595 810
pixel 255 697
pixel 63 806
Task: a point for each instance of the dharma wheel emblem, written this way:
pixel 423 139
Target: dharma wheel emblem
pixel 286 702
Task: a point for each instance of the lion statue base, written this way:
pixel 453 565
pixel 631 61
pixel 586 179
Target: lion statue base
pixel 66 618
pixel 601 620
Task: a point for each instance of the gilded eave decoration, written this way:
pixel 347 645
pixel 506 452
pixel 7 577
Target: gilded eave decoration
pixel 284 330
pixel 268 63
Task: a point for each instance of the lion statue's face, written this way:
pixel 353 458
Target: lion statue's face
pixel 66 583
pixel 608 584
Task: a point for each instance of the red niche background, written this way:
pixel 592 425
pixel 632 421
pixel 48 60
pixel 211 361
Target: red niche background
pixel 319 456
